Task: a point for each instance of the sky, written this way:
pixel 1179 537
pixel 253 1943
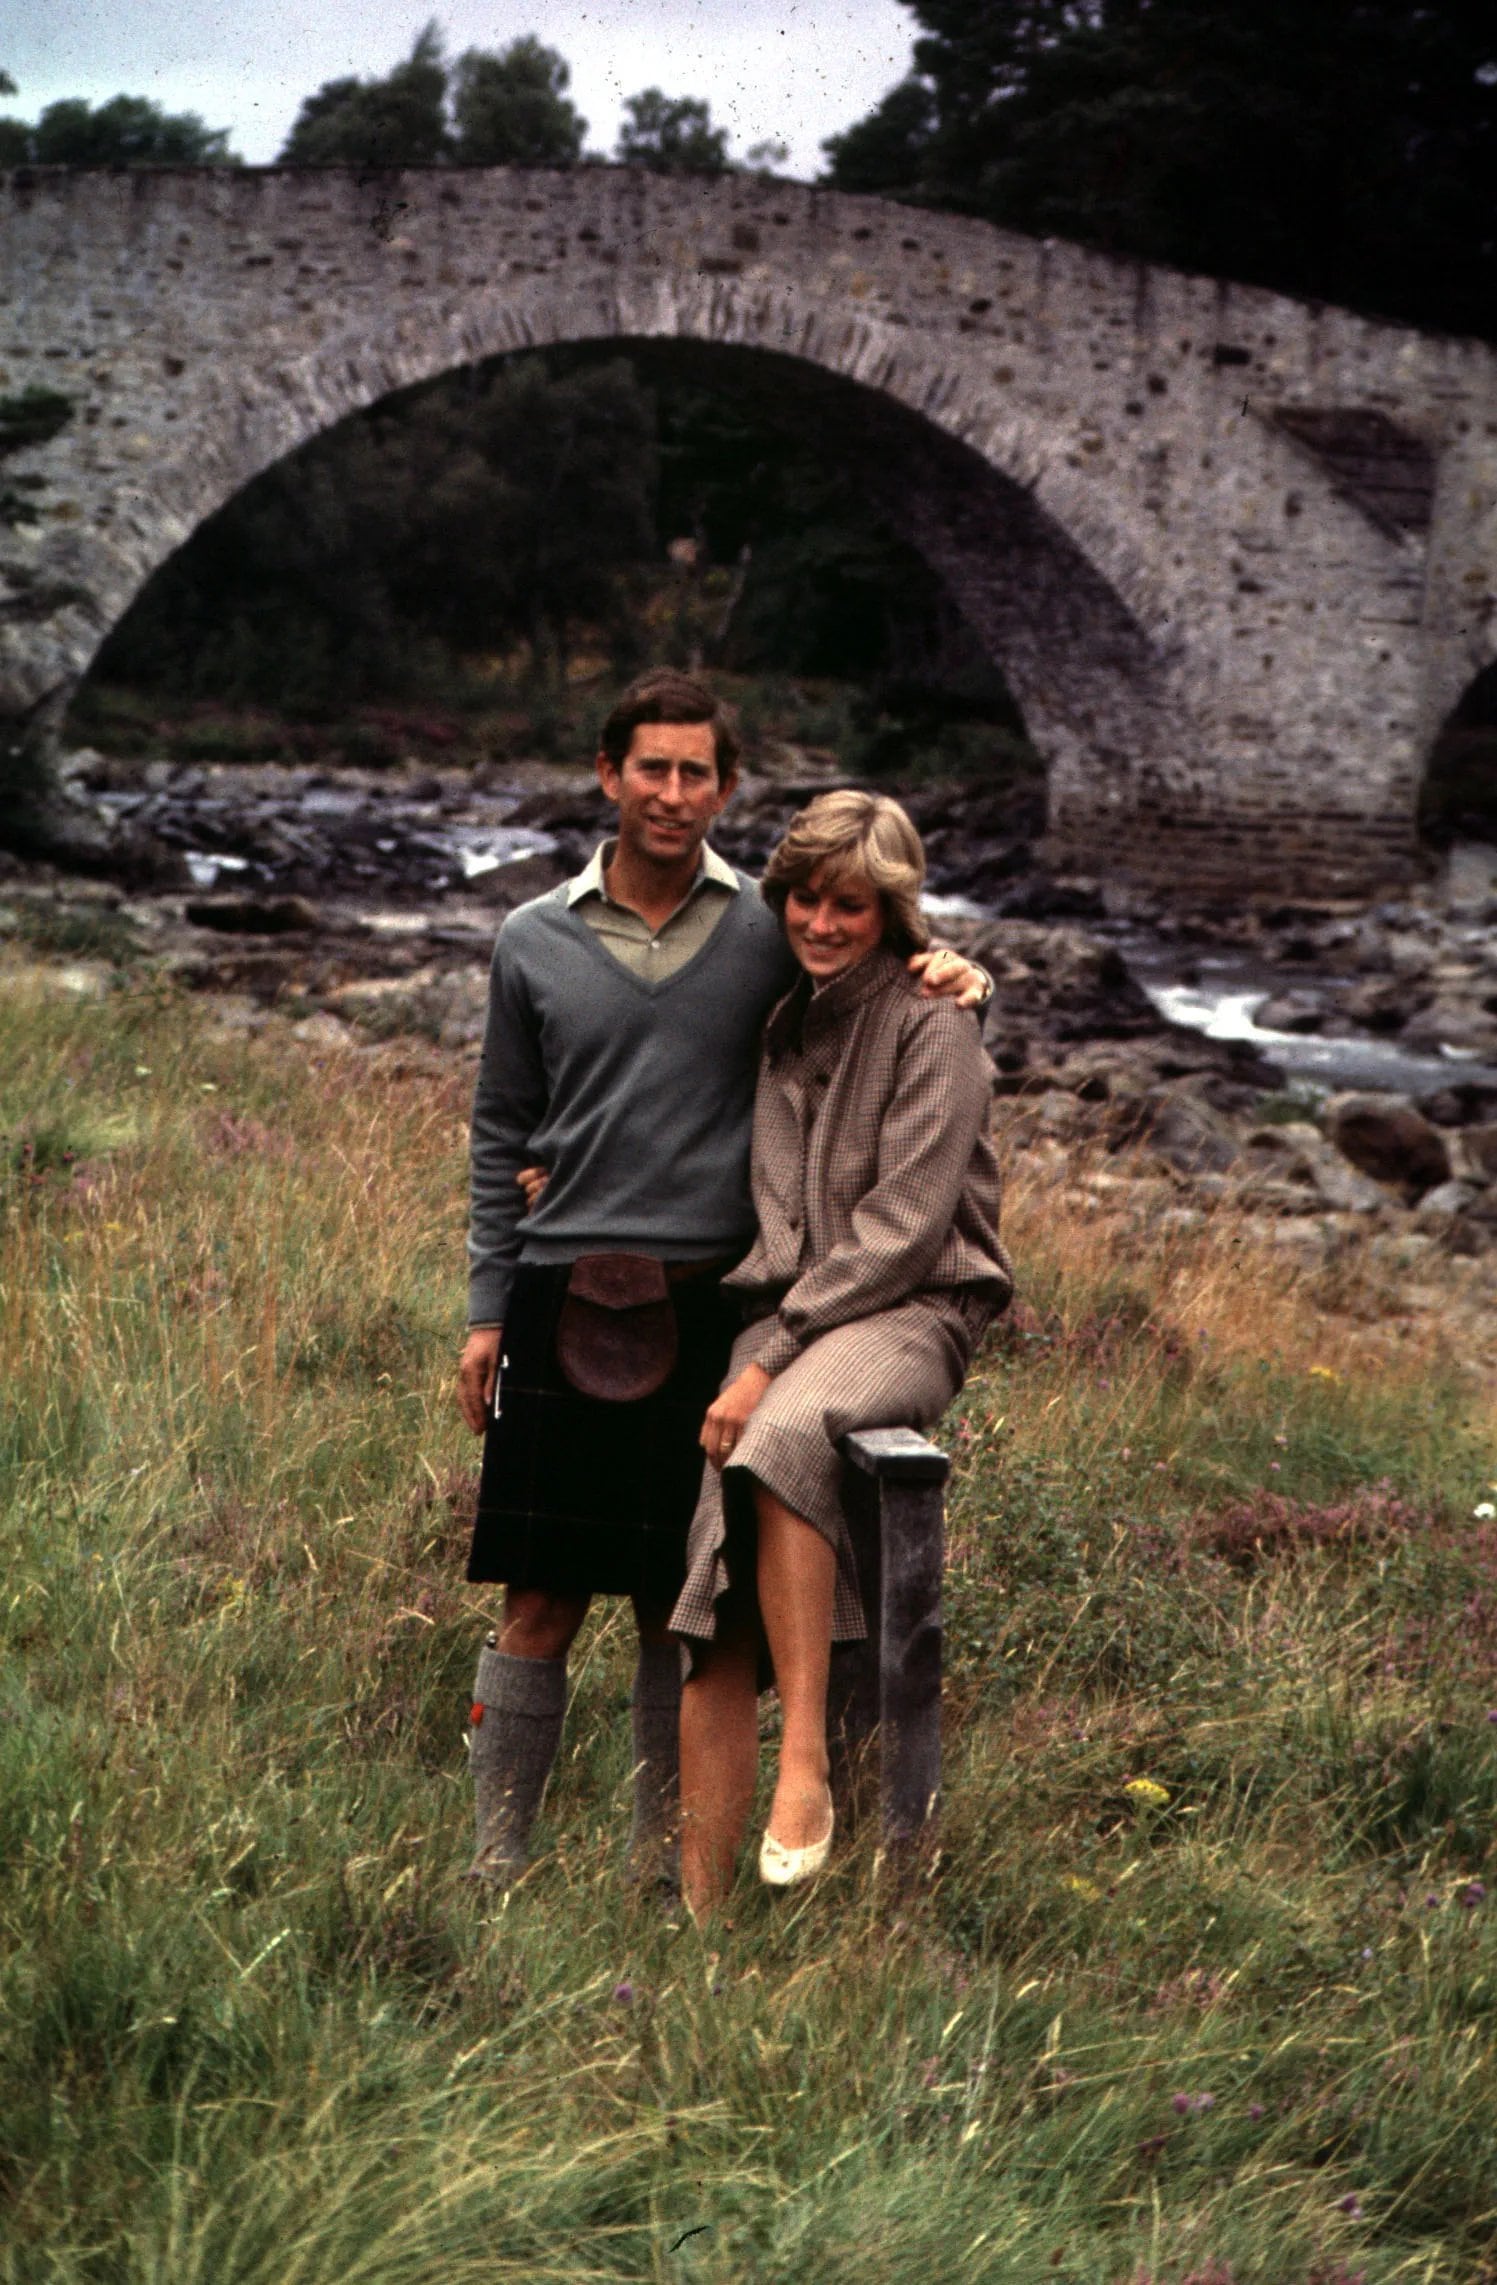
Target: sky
pixel 796 70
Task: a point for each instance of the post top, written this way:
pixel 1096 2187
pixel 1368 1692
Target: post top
pixel 896 1455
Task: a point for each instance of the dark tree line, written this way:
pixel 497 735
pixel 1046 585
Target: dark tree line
pixel 525 511
pixel 1343 150
pixel 486 107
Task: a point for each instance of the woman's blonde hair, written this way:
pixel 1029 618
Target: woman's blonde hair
pixel 856 836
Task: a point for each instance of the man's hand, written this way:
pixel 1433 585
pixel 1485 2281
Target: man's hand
pixel 532 1180
pixel 477 1375
pixel 726 1417
pixel 945 975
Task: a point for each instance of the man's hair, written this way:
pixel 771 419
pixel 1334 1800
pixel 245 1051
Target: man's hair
pixel 862 837
pixel 667 695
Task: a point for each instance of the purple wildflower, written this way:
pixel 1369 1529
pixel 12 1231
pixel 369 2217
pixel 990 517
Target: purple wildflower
pixel 1350 2204
pixel 1255 2110
pixel 624 1994
pixel 1473 1893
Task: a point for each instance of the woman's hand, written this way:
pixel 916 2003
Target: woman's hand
pixel 728 1416
pixel 532 1180
pixel 945 975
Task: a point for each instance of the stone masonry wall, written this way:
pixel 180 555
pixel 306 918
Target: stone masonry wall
pixel 1237 554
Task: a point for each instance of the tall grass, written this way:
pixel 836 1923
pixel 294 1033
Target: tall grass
pixel 1235 2023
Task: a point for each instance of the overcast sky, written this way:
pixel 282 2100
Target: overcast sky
pixel 796 69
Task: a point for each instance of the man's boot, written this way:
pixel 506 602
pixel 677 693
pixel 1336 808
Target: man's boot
pixel 655 1726
pixel 515 1729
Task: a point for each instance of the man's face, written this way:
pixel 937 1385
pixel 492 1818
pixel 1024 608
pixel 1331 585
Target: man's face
pixel 667 789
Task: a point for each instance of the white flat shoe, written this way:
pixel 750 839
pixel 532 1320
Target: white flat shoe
pixel 780 1867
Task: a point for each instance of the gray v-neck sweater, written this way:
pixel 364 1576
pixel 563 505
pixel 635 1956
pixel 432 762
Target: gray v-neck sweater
pixel 637 1096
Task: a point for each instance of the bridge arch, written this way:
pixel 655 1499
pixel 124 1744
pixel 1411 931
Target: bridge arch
pixel 1212 623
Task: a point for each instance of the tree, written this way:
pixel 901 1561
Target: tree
pixel 399 121
pixel 1337 149
pixel 671 135
pixel 127 131
pixel 511 108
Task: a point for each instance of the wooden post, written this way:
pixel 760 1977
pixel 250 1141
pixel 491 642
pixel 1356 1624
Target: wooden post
pixel 886 1692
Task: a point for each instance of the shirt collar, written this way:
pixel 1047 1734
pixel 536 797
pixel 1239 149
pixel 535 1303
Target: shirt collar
pixel 590 882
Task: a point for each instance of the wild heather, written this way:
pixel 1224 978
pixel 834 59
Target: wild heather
pixel 1198 1991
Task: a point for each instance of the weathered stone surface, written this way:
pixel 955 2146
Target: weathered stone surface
pixel 1387 1138
pixel 1233 646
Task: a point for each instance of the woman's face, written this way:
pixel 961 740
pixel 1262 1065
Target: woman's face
pixel 832 928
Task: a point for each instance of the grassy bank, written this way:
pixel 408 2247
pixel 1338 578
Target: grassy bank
pixel 1201 1990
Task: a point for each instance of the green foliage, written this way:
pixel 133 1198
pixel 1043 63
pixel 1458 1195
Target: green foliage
pixel 1218 138
pixel 524 511
pixel 671 135
pixel 511 109
pixel 32 415
pixel 508 508
pixel 504 107
pixel 398 121
pixel 127 131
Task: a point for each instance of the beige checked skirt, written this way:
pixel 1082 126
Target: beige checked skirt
pixel 900 1368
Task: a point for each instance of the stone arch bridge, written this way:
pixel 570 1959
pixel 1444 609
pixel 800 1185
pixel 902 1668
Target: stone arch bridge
pixel 1236 554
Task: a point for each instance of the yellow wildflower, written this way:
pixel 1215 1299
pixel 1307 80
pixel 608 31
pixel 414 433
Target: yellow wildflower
pixel 1323 1373
pixel 1080 1886
pixel 1147 1792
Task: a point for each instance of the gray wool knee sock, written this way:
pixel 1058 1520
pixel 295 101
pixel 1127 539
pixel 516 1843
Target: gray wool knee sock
pixel 655 1726
pixel 511 1747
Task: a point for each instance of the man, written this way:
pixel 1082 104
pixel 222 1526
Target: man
pixel 624 1017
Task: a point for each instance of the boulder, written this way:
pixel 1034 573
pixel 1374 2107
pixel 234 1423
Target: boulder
pixel 1384 1136
pixel 1295 1011
pixel 1476 1149
pixel 254 915
pixel 1188 1134
pixel 1442 1205
pixel 1299 1154
pixel 1460 1023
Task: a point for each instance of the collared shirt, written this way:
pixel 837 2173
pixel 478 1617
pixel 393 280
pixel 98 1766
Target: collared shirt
pixel 652 954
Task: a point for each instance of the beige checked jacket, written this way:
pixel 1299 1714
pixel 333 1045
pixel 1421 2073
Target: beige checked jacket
pixel 877 1263
pixel 874 1175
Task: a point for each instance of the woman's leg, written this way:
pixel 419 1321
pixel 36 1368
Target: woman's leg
pixel 797 1584
pixel 719 1759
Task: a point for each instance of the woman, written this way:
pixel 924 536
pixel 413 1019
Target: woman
pixel 876 1268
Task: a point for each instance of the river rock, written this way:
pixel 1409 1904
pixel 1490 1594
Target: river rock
pixel 1187 1133
pixel 1059 984
pixel 1298 1153
pixel 254 916
pixel 1441 1206
pixel 1386 1137
pixel 1474 1150
pixel 1295 1011
pixel 1460 1023
pixel 1383 1004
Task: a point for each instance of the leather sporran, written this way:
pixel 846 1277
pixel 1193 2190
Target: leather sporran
pixel 616 1336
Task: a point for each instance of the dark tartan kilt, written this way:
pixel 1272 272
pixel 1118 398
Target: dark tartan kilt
pixel 582 1497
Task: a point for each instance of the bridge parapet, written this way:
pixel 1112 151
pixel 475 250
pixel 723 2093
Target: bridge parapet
pixel 1236 554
